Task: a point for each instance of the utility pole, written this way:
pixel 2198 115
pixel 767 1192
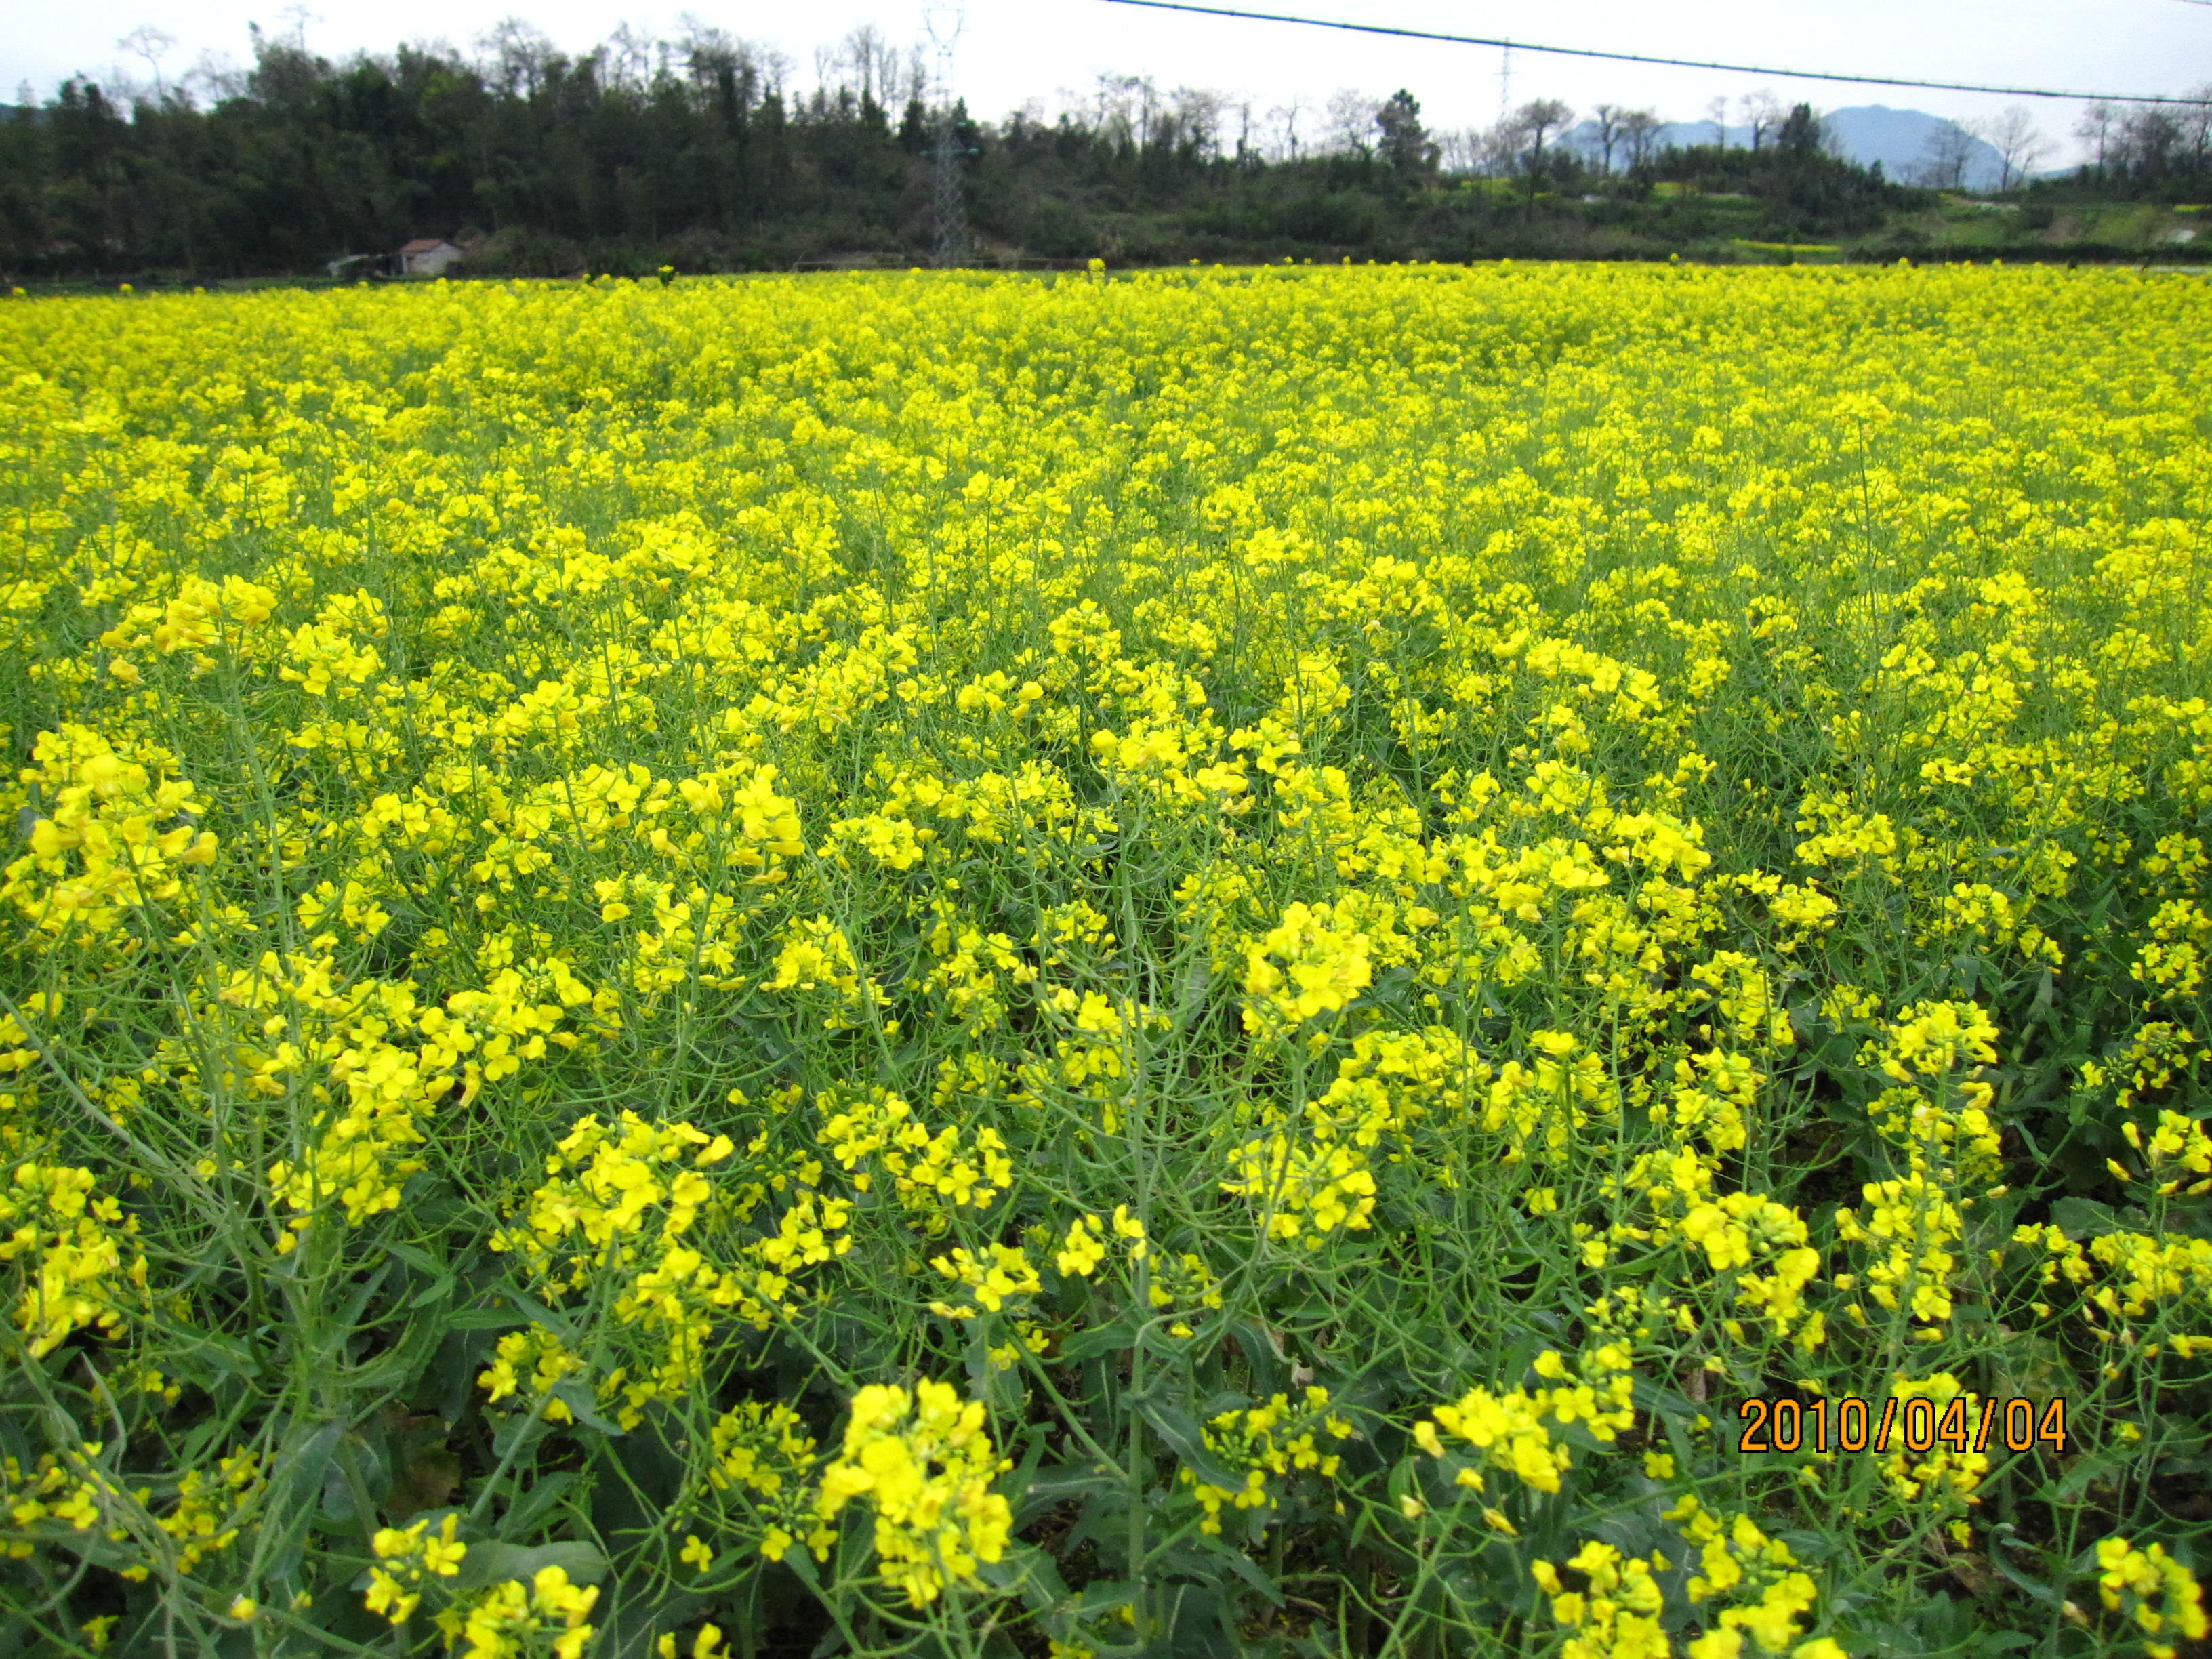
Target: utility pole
pixel 1504 82
pixel 944 26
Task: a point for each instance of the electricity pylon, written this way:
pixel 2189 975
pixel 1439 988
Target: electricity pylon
pixel 944 26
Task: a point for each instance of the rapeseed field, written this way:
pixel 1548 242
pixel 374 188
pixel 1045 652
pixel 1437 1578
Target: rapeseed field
pixel 1304 961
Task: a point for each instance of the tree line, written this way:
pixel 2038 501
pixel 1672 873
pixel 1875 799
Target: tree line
pixel 2149 150
pixel 700 153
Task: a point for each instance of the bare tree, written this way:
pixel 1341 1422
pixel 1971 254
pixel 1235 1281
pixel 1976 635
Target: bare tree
pixel 1351 122
pixel 626 59
pixel 1640 130
pixel 2195 120
pixel 1535 121
pixel 1762 114
pixel 1284 119
pixel 866 64
pixel 2149 139
pixel 1127 109
pixel 1716 112
pixel 1460 151
pixel 1498 150
pixel 212 79
pixel 1192 120
pixel 1944 158
pixel 2095 129
pixel 2019 143
pixel 519 56
pixel 1609 118
pixel 152 44
pixel 299 17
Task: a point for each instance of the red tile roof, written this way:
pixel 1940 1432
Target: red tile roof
pixel 423 244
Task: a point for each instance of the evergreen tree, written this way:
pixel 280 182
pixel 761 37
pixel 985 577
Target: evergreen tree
pixel 1405 146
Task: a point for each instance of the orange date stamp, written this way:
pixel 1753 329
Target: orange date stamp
pixel 1915 1424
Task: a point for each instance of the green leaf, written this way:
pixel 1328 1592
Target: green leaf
pixel 1179 1428
pixel 1104 1596
pixel 1249 1570
pixel 584 1406
pixel 484 1319
pixel 800 1560
pixel 539 1315
pixel 2084 1218
pixel 531 1507
pixel 1651 1398
pixel 2038 1591
pixel 1106 1339
pixel 1057 1485
pixel 495 1564
pixel 1030 1572
pixel 422 1261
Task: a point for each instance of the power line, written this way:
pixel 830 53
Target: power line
pixel 1640 57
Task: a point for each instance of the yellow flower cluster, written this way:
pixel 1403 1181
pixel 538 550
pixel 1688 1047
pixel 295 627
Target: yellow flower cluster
pixel 991 1280
pixel 1539 1105
pixel 1943 1478
pixel 408 1559
pixel 1276 1437
pixel 925 1463
pixel 113 839
pixel 1521 1429
pixel 1183 1288
pixel 1950 1138
pixel 766 1451
pixel 1313 1179
pixel 68 1244
pixel 928 1172
pixel 1737 1561
pixel 67 1487
pixel 818 958
pixel 1304 967
pixel 2178 1148
pixel 1914 1225
pixel 1315 1189
pixel 2137 1277
pixel 2160 1595
pixel 513 1619
pixel 616 1229
pixel 1744 1230
pixel 214 1507
pixel 2158 1052
pixel 1180 1287
pixel 1616 1614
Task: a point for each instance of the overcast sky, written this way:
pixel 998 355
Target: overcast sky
pixel 1012 52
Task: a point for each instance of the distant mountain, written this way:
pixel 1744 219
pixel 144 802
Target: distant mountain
pixel 1901 139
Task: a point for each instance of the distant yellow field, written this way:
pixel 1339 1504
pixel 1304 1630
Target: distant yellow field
pixel 1221 960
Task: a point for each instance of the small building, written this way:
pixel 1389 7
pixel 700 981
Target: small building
pixel 429 256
